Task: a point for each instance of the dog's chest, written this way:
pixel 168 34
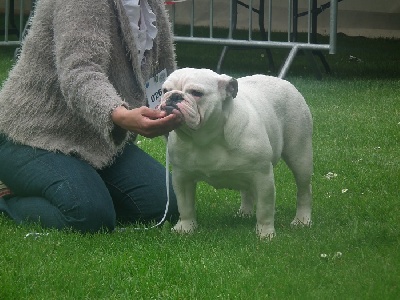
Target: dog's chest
pixel 229 179
pixel 217 165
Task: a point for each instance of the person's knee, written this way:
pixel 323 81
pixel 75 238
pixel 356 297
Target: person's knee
pixel 90 216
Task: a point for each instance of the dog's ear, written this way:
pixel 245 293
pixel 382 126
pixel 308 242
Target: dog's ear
pixel 230 85
pixel 232 88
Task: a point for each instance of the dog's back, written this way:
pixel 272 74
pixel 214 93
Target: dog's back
pixel 275 105
pixel 278 96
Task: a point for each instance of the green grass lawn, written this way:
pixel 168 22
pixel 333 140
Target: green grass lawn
pixel 351 252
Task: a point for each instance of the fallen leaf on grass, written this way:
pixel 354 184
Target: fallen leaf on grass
pixel 330 175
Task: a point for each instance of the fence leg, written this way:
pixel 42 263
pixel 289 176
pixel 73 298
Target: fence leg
pixel 221 58
pixel 288 62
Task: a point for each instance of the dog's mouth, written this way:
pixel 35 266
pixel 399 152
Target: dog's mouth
pixel 169 108
pixel 172 103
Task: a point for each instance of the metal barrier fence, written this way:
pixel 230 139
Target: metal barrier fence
pixel 308 47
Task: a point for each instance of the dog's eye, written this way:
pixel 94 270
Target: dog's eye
pixel 164 91
pixel 196 93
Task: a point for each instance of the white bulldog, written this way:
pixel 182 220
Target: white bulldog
pixel 234 133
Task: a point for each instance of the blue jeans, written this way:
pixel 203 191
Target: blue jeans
pixel 61 191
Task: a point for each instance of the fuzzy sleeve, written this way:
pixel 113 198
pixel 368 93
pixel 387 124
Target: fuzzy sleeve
pixel 82 52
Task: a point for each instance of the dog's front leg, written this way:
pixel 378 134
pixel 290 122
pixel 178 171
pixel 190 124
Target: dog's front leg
pixel 265 199
pixel 185 190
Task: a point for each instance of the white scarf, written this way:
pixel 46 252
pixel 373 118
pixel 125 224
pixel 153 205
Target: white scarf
pixel 141 19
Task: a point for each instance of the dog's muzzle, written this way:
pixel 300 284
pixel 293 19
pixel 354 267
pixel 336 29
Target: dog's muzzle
pixel 172 102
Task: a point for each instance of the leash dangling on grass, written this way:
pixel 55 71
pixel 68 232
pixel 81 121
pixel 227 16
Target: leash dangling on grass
pixel 167 187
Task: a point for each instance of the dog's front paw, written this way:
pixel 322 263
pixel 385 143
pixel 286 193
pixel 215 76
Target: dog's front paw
pixel 185 226
pixel 266 232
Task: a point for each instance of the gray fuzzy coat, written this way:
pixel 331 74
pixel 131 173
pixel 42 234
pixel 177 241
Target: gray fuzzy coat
pixel 77 64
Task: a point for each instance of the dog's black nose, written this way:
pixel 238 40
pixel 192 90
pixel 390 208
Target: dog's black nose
pixel 171 102
pixel 174 99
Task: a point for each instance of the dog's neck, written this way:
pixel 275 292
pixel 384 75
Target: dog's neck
pixel 207 133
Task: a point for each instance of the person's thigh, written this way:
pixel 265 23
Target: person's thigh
pixel 137 184
pixel 54 189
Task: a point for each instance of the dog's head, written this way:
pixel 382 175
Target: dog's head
pixel 198 94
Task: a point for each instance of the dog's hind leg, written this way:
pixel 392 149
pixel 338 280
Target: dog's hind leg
pixel 300 162
pixel 247 205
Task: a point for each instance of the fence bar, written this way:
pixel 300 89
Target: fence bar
pixel 253 43
pixel 211 18
pixel 250 19
pixel 231 19
pixel 333 26
pixel 290 17
pixel 269 19
pixel 7 20
pixel 192 21
pixel 309 21
pixel 21 18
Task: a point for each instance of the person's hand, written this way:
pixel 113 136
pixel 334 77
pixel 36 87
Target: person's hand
pixel 146 121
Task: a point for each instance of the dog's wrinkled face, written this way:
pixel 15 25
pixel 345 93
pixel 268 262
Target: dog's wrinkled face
pixel 196 93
